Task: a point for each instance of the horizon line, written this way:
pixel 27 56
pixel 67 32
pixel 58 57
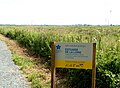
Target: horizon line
pixel 59 25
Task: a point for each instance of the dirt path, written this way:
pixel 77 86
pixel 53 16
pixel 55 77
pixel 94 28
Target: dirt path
pixel 10 76
pixel 16 48
pixel 13 46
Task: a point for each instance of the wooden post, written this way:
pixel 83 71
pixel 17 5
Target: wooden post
pixel 53 70
pixel 94 67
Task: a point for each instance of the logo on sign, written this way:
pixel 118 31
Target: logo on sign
pixel 58 47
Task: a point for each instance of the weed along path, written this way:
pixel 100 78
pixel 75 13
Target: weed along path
pixel 10 76
pixel 36 73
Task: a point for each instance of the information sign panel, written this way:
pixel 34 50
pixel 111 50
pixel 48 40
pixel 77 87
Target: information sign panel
pixel 73 55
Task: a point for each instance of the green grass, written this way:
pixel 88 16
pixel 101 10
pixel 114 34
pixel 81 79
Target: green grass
pixel 37 39
pixel 35 77
pixel 22 62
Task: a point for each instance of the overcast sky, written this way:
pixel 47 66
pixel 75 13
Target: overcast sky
pixel 60 12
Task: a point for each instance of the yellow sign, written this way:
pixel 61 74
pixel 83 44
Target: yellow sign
pixel 73 64
pixel 74 55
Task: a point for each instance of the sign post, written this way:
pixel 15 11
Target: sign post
pixel 53 70
pixel 73 55
pixel 94 66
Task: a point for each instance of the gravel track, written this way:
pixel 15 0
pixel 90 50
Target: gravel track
pixel 10 76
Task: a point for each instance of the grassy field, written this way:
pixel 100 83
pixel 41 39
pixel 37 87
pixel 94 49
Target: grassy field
pixel 37 40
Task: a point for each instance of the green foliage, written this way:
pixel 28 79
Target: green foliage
pixel 35 81
pixel 22 62
pixel 38 39
pixel 34 77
